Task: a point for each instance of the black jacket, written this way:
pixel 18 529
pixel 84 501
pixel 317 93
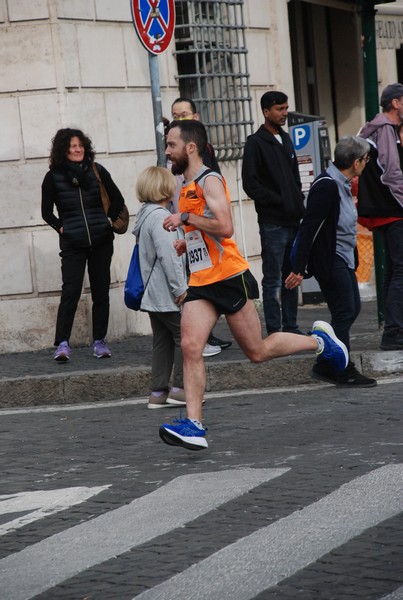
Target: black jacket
pixel 380 186
pixel 76 195
pixel 375 198
pixel 314 248
pixel 270 177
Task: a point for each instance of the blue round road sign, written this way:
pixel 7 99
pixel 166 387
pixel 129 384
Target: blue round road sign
pixel 154 22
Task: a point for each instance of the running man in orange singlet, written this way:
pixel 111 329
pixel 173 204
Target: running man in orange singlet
pixel 220 283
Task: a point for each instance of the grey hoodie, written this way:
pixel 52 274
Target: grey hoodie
pixel 168 275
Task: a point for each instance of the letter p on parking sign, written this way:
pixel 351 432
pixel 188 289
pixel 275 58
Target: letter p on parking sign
pixel 300 136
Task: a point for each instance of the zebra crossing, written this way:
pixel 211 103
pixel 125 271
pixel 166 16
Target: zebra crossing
pixel 239 571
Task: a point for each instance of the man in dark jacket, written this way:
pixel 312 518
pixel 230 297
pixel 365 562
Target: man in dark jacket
pixel 325 247
pixel 271 178
pixel 380 204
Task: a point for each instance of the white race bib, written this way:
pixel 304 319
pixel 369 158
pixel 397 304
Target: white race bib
pixel 198 255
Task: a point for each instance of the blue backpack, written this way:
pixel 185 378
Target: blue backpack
pixel 134 286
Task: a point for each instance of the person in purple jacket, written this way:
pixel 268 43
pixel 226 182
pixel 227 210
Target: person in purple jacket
pixel 380 205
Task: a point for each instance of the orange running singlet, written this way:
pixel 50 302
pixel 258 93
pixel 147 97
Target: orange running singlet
pixel 211 259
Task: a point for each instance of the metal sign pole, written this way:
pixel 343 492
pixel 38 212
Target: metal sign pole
pixel 154 22
pixel 157 109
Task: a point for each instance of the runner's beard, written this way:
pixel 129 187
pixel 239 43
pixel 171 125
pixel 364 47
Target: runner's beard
pixel 180 165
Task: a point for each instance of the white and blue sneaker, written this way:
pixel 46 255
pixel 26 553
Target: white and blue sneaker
pixel 330 347
pixel 185 433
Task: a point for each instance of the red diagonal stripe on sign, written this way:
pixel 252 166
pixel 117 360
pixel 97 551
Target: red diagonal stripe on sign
pixel 153 5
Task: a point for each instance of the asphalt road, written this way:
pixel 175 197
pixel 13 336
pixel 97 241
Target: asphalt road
pixel 299 496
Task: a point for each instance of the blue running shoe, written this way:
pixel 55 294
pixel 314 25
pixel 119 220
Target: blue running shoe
pixel 184 433
pixel 330 347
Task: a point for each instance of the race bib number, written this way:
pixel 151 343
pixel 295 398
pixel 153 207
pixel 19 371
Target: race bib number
pixel 198 255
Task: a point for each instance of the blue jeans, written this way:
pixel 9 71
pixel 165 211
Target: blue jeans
pixel 342 297
pixel 392 236
pixel 276 247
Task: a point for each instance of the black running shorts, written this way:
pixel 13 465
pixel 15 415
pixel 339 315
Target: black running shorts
pixel 227 296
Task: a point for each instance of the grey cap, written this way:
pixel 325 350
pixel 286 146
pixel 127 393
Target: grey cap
pixel 394 90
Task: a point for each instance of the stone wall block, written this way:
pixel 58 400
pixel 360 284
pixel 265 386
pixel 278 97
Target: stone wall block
pixel 130 122
pixel 261 71
pixel 101 53
pixel 46 260
pixel 40 118
pixel 10 139
pixel 21 10
pixel 138 73
pixel 258 15
pixel 26 45
pixel 75 9
pixel 15 266
pixel 118 10
pixel 21 193
pixel 69 63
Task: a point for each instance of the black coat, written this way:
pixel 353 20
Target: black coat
pixel 76 195
pixel 314 248
pixel 270 177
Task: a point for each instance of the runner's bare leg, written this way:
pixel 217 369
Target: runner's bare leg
pixel 198 319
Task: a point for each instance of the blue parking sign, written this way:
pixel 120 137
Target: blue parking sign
pixel 301 136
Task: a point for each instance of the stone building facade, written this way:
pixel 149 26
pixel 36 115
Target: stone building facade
pixel 79 63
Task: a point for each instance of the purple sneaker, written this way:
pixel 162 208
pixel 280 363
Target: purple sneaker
pixel 62 353
pixel 101 350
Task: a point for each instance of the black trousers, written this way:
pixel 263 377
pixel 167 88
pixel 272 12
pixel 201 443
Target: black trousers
pixel 73 265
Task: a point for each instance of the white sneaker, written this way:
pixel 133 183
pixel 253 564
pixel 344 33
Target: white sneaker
pixel 211 350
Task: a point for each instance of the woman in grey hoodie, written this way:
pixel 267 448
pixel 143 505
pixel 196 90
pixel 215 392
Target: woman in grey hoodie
pixel 165 274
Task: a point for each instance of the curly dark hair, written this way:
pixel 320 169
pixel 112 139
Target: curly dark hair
pixel 61 144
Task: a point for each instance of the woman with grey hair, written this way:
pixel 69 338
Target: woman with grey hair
pixel 325 247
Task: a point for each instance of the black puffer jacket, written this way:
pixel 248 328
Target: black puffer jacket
pixel 75 193
pixel 271 178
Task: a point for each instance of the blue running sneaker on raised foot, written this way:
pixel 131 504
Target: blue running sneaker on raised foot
pixel 330 347
pixel 184 433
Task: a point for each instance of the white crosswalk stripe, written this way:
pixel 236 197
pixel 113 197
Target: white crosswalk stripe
pixel 396 595
pixel 66 554
pixel 36 505
pixel 259 561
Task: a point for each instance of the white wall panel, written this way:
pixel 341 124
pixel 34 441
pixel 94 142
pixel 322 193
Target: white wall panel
pixel 21 10
pixel 15 264
pixel 26 58
pixel 10 139
pixel 130 121
pixel 101 53
pixel 40 118
pixel 21 191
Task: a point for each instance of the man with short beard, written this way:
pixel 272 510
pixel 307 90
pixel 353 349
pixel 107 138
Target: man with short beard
pixel 220 283
pixel 184 109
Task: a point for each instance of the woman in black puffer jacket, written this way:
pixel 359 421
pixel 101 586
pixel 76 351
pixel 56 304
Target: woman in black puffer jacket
pixel 85 233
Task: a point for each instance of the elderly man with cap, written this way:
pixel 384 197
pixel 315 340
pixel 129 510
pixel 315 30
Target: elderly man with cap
pixel 380 205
